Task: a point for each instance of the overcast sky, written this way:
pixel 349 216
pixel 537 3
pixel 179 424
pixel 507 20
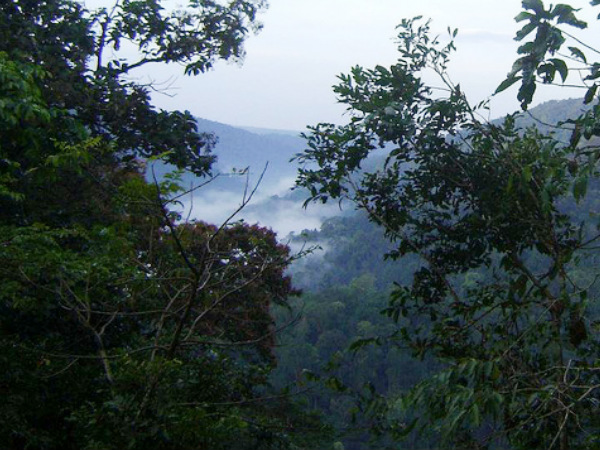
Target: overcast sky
pixel 286 78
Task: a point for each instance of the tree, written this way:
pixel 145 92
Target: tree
pixel 120 325
pixel 505 295
pixel 88 90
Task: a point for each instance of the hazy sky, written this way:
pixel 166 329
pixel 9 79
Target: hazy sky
pixel 286 78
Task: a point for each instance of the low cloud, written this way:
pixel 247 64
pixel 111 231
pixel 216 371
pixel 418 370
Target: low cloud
pixel 283 215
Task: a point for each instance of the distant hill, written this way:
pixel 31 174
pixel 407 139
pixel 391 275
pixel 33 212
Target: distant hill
pixel 257 130
pixel 275 205
pixel 240 148
pixel 547 115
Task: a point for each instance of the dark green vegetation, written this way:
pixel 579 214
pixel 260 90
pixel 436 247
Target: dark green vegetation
pixel 503 223
pixel 119 326
pixel 123 327
pixel 346 289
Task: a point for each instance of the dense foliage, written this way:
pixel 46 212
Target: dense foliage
pixel 121 326
pixel 502 222
pixel 345 288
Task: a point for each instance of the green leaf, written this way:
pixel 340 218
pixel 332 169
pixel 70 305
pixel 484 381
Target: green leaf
pixel 580 187
pixel 310 375
pixel 535 5
pixel 455 418
pixel 521 284
pixel 160 156
pixel 507 83
pixel 526 92
pixel 561 67
pixel 475 415
pixel 590 94
pixel 533 398
pixel 573 142
pixel 523 32
pixel 524 15
pixel 577 53
pixel 360 343
pixel 335 384
pixel 566 14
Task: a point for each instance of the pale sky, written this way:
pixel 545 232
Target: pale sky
pixel 285 80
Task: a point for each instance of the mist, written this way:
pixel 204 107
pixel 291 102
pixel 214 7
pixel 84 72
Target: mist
pixel 275 206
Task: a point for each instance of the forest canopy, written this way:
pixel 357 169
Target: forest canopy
pixel 125 325
pixel 121 325
pixel 503 221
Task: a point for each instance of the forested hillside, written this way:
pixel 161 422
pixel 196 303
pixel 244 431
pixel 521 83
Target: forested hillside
pixel 346 287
